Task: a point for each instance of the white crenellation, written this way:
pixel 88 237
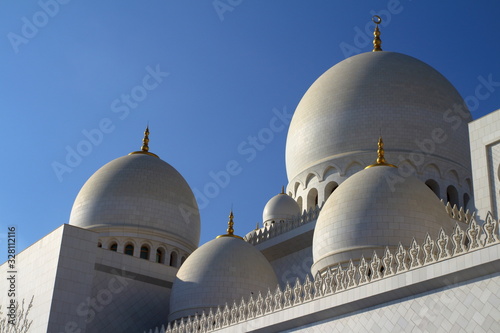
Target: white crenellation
pixel 297 291
pixel 458 214
pixel 442 242
pixel 414 254
pixel 375 267
pixel 401 259
pixel 275 229
pixel 268 302
pixel 458 238
pixel 338 278
pixel 388 262
pixel 241 309
pixel 351 271
pixel 428 246
pixel 363 271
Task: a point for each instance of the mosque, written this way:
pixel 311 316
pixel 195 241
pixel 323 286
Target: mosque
pixel 394 233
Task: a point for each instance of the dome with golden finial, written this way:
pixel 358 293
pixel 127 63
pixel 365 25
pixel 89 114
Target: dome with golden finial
pixel 139 193
pixel 223 270
pixel 372 209
pixel 421 112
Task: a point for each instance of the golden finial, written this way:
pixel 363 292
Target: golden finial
pixel 145 140
pixel 230 223
pixel 377 42
pixel 282 190
pixel 380 156
pixel 145 147
pixel 230 229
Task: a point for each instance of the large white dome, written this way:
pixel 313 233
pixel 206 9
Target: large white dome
pixel 339 116
pixel 220 271
pixel 141 192
pixel 373 209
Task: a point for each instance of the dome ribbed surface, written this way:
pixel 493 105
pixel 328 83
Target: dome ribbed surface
pixel 372 209
pixel 280 207
pixel 142 192
pixel 222 270
pixel 347 107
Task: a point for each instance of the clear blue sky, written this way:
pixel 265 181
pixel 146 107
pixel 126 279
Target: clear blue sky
pixel 65 66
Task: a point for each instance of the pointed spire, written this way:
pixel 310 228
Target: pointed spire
pixel 380 156
pixel 145 140
pixel 377 42
pixel 230 223
pixel 230 229
pixel 145 145
pixel 282 190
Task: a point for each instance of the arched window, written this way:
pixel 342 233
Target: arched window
pixel 434 186
pixel 183 259
pixel 144 252
pixel 466 200
pixel 329 188
pixel 113 246
pixel 173 259
pixel 160 255
pixel 299 202
pixel 99 244
pixel 312 198
pixel 129 249
pixel 452 196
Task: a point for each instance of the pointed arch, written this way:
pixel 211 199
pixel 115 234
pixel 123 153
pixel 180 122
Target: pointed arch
pixel 160 255
pixel 466 201
pixel 299 202
pixel 113 246
pixel 312 198
pixel 310 177
pixel 434 186
pixel 173 258
pixel 145 249
pixel 407 167
pixel 330 170
pixel 452 196
pixel 432 169
pixel 352 168
pixel 453 174
pixel 329 188
pixel 296 188
pixel 129 249
pixel 469 184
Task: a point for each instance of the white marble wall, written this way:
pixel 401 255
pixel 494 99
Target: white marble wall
pixel 485 153
pixel 57 272
pixel 471 306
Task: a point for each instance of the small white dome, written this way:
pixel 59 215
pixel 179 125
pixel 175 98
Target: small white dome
pixel 280 207
pixel 139 191
pixel 222 270
pixel 372 209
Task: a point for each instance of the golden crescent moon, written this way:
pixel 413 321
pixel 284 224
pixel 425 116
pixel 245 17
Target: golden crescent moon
pixel 376 19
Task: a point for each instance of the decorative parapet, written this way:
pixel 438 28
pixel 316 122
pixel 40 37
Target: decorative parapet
pixel 458 214
pixel 276 229
pixel 339 278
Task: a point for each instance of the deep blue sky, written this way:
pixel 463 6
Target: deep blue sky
pixel 227 71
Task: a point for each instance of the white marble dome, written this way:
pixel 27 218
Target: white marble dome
pixel 222 270
pixel 346 108
pixel 281 207
pixel 142 193
pixel 372 209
